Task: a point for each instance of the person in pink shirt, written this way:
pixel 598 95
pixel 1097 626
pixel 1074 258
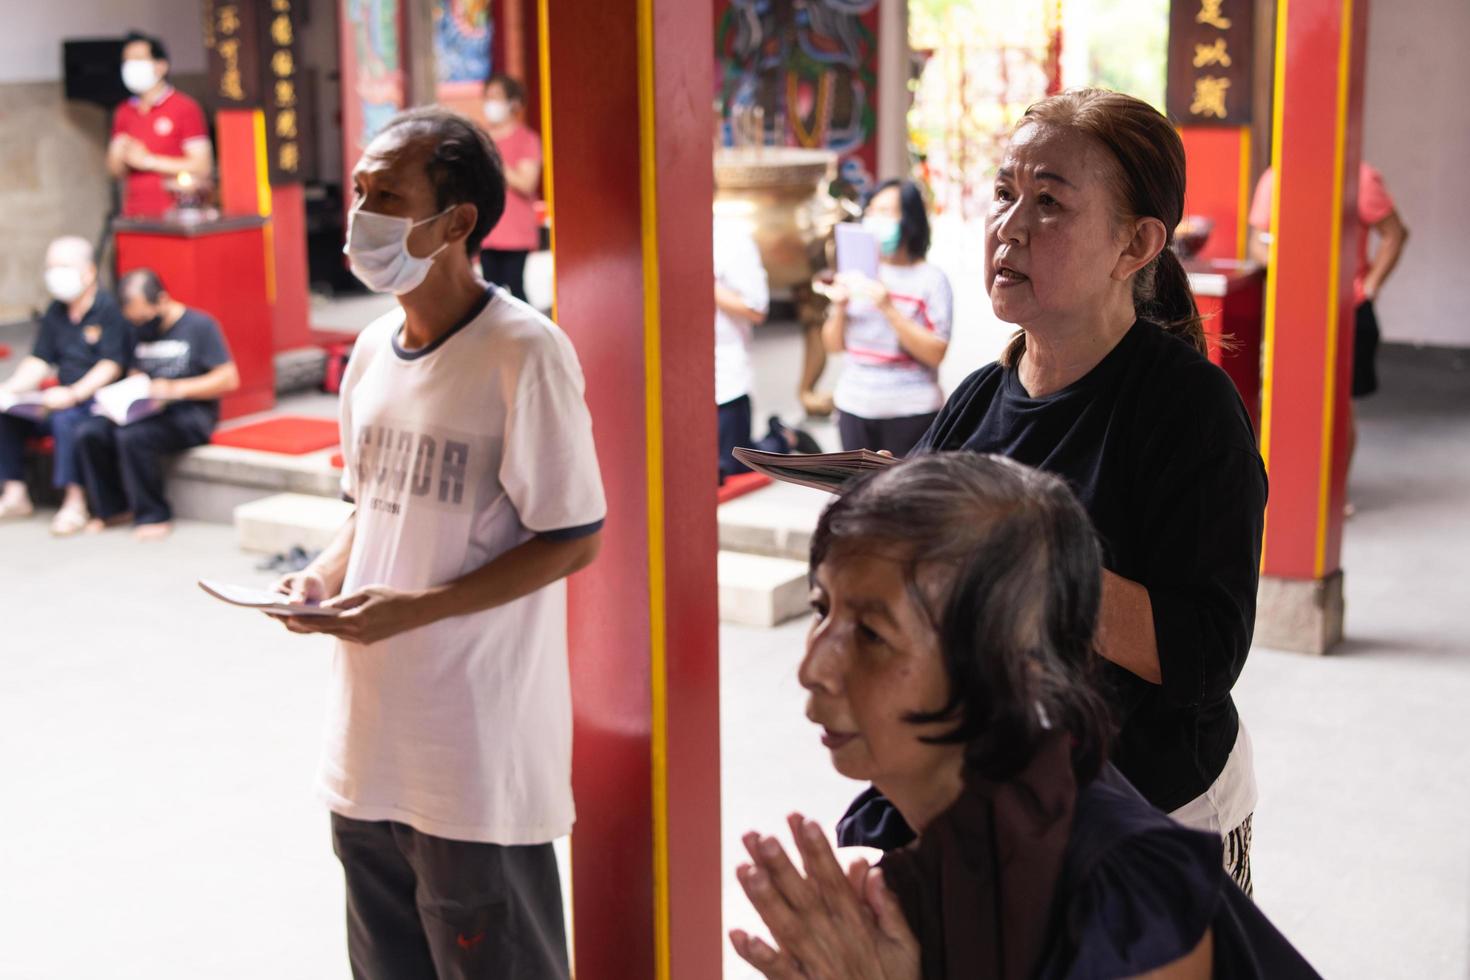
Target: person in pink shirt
pixel 1376 213
pixel 518 233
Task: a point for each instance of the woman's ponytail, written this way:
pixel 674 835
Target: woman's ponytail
pixel 1162 295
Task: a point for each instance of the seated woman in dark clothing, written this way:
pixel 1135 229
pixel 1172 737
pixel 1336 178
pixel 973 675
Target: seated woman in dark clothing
pixel 949 662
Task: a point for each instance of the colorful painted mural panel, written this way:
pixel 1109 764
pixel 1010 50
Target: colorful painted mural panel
pixel 802 73
pixel 373 43
pixel 463 33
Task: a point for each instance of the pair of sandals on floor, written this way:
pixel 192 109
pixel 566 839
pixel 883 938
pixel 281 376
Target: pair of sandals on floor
pixel 69 520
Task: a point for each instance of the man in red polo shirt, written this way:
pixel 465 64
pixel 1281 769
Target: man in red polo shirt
pixel 157 134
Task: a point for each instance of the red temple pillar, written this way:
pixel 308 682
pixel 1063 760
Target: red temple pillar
pixel 1309 319
pixel 628 154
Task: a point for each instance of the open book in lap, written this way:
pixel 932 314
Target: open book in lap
pixel 30 406
pixel 820 471
pixel 127 401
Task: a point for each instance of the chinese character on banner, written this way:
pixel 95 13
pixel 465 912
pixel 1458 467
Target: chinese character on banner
pixel 1209 96
pixel 1212 54
pixel 1209 13
pixel 228 19
pixel 289 159
pixel 229 85
pixel 285 93
pixel 281 31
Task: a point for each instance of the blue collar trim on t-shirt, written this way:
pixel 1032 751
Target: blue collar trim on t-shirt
pixel 476 310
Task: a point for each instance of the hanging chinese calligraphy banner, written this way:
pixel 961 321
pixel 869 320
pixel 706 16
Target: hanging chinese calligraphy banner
pixel 1210 48
pixel 286 112
pixel 232 46
pixel 254 64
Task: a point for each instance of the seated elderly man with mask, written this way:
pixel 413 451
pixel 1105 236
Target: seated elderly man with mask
pixel 184 352
pixel 84 343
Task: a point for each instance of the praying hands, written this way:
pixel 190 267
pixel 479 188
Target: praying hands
pixel 826 924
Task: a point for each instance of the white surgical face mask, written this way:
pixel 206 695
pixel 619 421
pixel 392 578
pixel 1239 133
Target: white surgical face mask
pixel 139 75
pixel 497 111
pixel 377 251
pixel 64 282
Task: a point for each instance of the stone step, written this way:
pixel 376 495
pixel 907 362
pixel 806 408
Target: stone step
pixel 757 590
pixel 276 524
pixel 209 482
pixel 776 521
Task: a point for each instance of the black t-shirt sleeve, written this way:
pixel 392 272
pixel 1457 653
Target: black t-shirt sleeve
pixel 1144 904
pixel 117 337
pixel 1204 499
pixel 210 349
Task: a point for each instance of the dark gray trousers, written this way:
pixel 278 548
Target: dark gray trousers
pixel 426 907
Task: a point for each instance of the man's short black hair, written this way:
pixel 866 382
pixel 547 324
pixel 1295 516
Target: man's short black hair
pixel 513 88
pixel 463 165
pixel 155 46
pixel 142 281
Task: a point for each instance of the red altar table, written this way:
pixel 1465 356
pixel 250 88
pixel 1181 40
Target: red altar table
pixel 218 267
pixel 1229 293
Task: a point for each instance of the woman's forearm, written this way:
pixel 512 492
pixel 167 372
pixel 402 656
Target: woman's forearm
pixel 922 345
pixel 834 329
pixel 1125 632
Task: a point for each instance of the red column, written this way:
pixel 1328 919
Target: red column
pixel 630 184
pixel 1218 185
pixel 1309 318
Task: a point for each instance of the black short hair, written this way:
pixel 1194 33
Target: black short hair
pixel 144 281
pixel 155 46
pixel 464 166
pixel 514 89
pixel 1017 608
pixel 913 221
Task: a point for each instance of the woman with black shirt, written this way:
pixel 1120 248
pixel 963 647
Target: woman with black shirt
pixel 950 662
pixel 1107 385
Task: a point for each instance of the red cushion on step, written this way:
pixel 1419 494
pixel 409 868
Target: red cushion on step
pixel 290 435
pixel 740 484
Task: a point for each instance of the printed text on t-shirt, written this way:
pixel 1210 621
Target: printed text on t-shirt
pixel 392 462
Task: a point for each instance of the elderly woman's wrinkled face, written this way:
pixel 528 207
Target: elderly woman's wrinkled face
pixel 872 658
pixel 1052 238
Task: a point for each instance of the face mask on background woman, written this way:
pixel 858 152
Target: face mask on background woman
pixel 497 111
pixel 886 230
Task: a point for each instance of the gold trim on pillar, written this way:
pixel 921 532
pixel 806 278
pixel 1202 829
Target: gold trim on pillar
pixel 1268 340
pixel 548 184
pixel 1334 290
pixel 654 431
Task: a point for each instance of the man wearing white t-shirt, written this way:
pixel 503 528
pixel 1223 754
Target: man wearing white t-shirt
pixel 468 452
